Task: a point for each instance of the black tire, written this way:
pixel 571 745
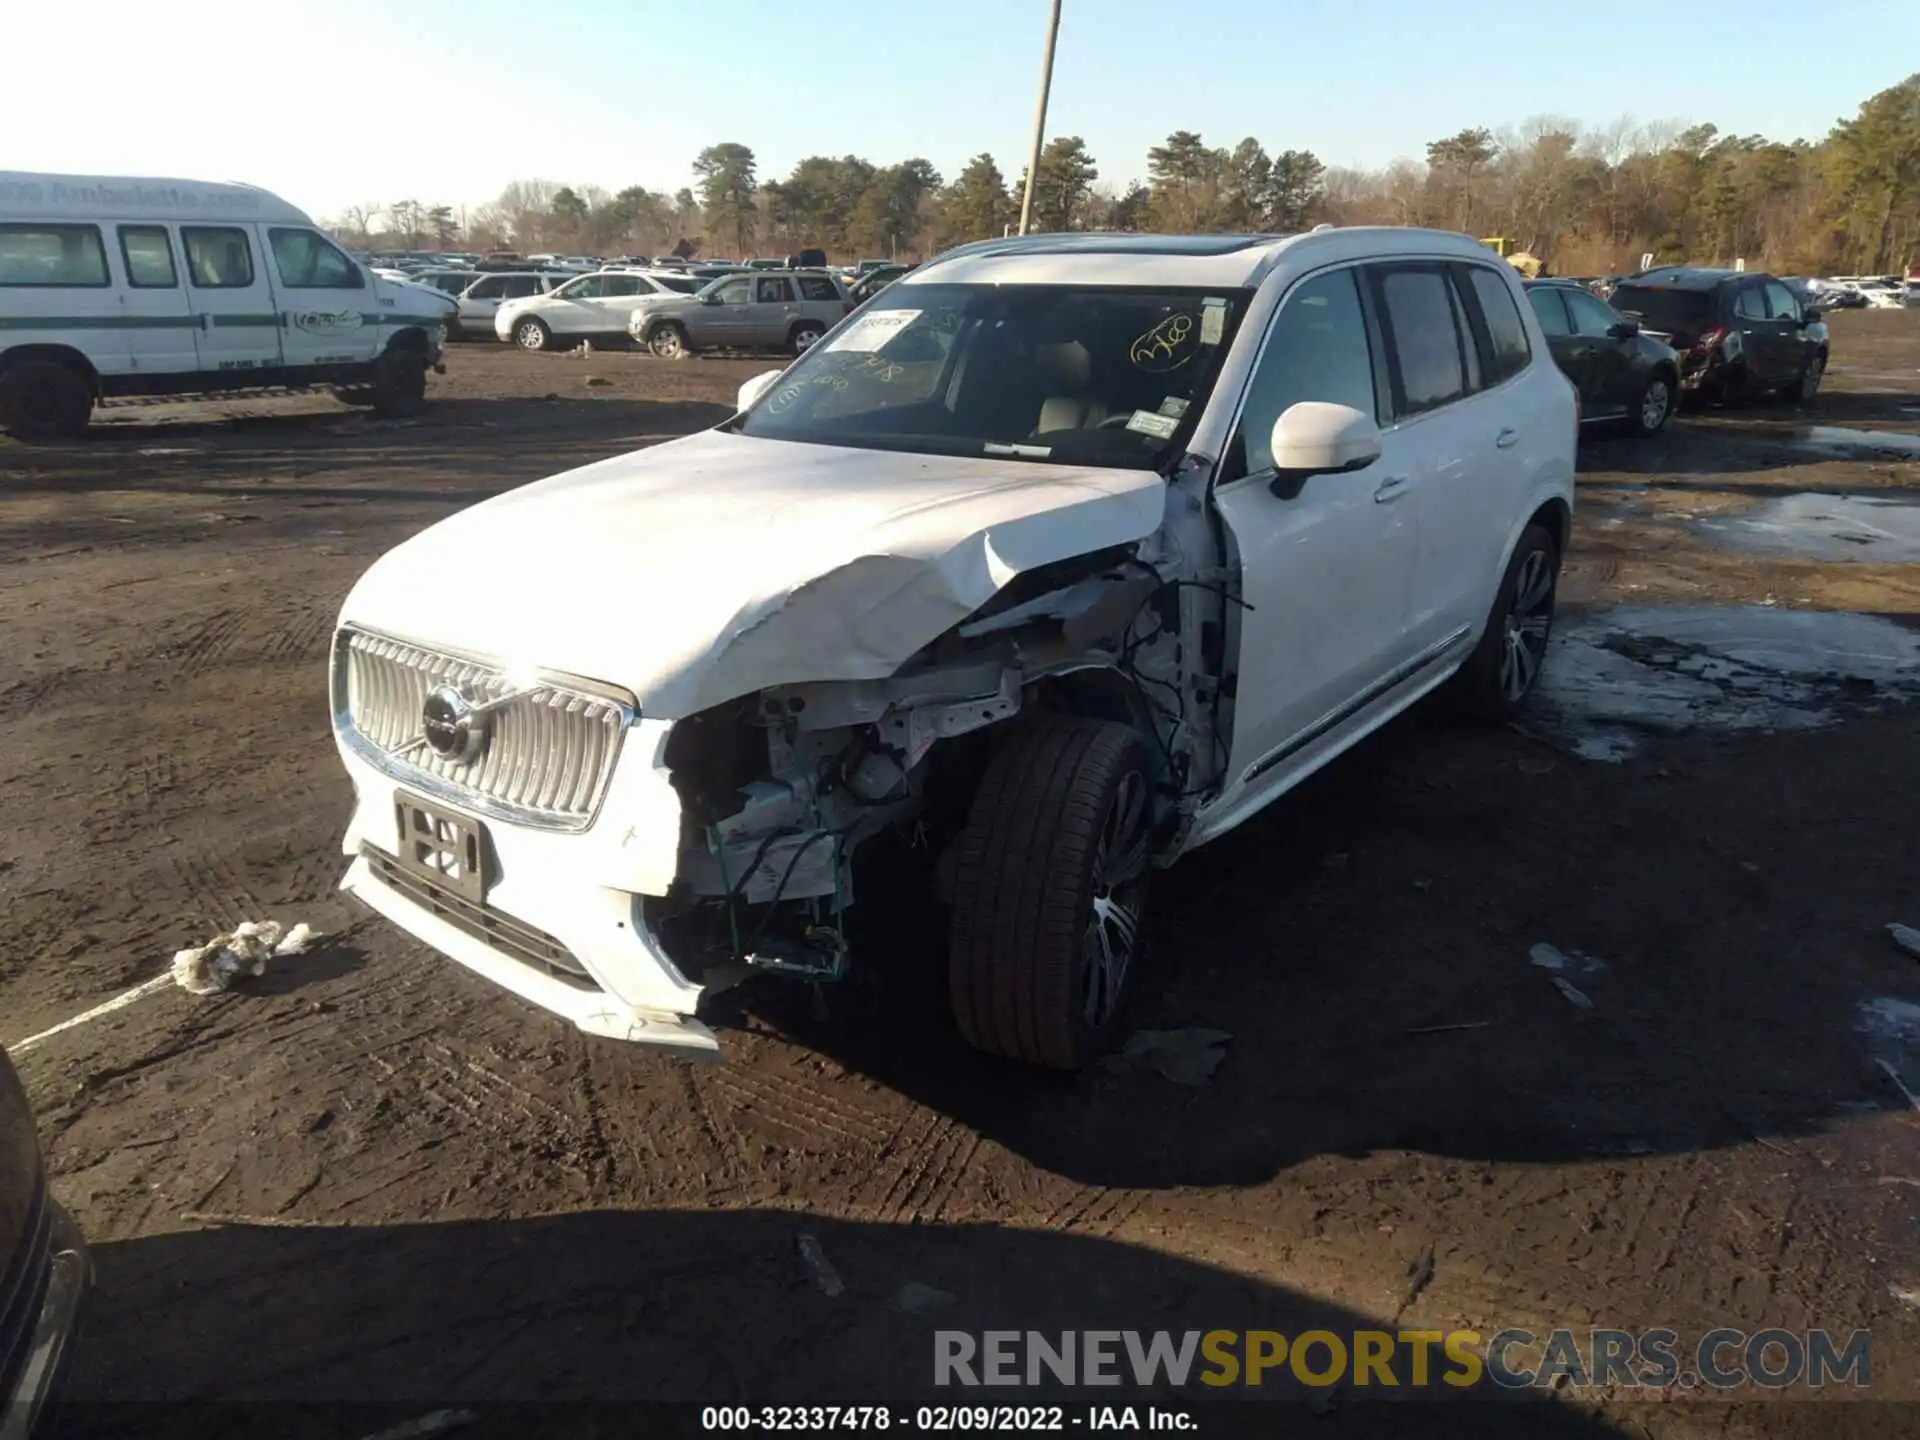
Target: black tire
pixel 805 336
pixel 44 400
pixel 1500 674
pixel 668 341
pixel 1050 871
pixel 1653 407
pixel 1807 390
pixel 531 333
pixel 400 385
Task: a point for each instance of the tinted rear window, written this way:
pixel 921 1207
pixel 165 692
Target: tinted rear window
pixel 1662 308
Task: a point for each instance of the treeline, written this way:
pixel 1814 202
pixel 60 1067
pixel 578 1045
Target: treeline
pixel 1584 199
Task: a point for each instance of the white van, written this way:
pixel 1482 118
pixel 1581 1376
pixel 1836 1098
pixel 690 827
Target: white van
pixel 113 287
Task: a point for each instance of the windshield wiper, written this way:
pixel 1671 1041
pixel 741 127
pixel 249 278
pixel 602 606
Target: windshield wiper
pixel 1029 452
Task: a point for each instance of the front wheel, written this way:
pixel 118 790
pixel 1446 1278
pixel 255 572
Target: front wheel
pixel 400 385
pixel 1654 407
pixel 669 342
pixel 531 334
pixel 1501 672
pixel 1049 892
pixel 1808 390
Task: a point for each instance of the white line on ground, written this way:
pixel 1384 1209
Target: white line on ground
pixel 151 987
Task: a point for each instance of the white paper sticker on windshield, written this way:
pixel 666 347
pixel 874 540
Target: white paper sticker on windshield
pixel 1145 422
pixel 1173 405
pixel 870 332
pixel 1213 321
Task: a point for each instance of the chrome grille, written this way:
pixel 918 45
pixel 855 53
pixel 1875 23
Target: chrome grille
pixel 551 742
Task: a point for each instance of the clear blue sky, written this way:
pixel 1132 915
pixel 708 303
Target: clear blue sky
pixel 617 92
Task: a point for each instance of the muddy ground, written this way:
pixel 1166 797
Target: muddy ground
pixel 372 1176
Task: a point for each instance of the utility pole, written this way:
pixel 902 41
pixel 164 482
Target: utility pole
pixel 1040 120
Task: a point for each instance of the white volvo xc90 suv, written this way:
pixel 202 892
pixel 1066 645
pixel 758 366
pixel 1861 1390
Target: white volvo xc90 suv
pixel 1062 557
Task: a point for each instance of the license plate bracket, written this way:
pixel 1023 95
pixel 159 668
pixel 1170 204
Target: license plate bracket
pixel 448 849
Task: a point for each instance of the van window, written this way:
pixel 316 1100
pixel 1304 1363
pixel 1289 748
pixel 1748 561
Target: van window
pixel 307 262
pixel 149 256
pixel 217 258
pixel 63 255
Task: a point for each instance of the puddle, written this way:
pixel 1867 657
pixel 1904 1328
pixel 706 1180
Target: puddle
pixel 1892 1030
pixel 1851 442
pixel 1616 675
pixel 1865 528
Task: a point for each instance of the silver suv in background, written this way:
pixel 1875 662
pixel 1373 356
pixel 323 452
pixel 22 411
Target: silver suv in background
pixel 770 310
pixel 481 300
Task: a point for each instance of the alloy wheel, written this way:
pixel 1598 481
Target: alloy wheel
pixel 1654 405
pixel 1529 621
pixel 1113 928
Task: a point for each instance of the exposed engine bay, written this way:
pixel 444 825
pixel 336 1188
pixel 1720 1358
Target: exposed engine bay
pixel 780 789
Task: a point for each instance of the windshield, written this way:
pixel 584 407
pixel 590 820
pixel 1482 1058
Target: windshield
pixel 1663 309
pixel 1077 375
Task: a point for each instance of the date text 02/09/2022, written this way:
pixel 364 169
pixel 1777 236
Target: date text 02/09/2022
pixel 937 1419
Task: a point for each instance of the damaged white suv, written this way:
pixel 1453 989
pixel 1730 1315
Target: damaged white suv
pixel 1061 558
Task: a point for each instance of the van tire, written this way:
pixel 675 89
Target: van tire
pixel 399 385
pixel 44 400
pixel 1062 797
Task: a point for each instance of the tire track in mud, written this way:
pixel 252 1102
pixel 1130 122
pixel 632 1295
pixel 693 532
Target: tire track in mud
pixel 794 1108
pixel 928 1176
pixel 207 643
pixel 301 640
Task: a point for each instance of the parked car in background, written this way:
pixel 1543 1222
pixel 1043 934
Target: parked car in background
pixel 1879 292
pixel 45 1272
pixel 449 282
pixel 764 262
pixel 874 281
pixel 759 310
pixel 1622 375
pixel 1739 333
pixel 1068 555
pixel 482 299
pixel 585 307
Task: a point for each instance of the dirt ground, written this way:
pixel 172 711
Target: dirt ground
pixel 374 1177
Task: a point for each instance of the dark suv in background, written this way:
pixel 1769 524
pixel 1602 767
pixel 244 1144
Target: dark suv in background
pixel 44 1269
pixel 1622 374
pixel 1739 334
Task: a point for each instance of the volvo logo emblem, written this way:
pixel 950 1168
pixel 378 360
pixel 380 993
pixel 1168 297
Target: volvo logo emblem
pixel 453 728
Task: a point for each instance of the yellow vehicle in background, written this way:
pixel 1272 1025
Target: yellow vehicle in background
pixel 1531 266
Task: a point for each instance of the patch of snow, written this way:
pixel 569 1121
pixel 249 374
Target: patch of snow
pixel 1625 671
pixel 1825 527
pixel 244 951
pixel 1881 442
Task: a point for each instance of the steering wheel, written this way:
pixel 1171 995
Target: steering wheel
pixel 1116 422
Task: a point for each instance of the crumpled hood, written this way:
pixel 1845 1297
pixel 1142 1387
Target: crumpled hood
pixel 711 567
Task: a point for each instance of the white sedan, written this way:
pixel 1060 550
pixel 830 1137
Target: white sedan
pixel 592 306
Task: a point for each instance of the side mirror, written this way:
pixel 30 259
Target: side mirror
pixel 1624 329
pixel 754 389
pixel 1316 437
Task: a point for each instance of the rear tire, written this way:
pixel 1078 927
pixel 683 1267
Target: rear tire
pixel 1049 892
pixel 1653 408
pixel 399 385
pixel 532 334
pixel 805 336
pixel 44 400
pixel 1500 674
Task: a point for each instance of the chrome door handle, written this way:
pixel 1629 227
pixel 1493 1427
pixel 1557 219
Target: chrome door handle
pixel 1390 490
pixel 1507 439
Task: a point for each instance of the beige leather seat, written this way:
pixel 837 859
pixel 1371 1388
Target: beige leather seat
pixel 1067 373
